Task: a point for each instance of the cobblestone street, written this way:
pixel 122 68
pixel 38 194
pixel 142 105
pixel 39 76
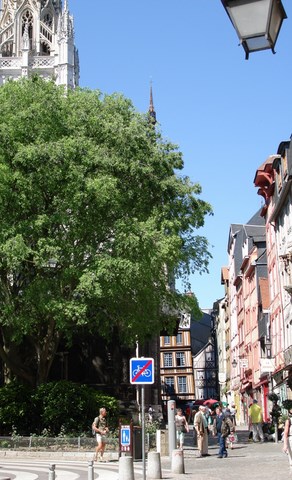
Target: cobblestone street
pixel 246 460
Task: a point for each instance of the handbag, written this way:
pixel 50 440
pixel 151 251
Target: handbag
pixel 232 438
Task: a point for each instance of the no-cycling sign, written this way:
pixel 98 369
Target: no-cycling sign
pixel 141 371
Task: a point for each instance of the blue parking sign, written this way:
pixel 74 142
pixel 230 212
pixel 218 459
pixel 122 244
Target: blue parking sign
pixel 141 371
pixel 125 435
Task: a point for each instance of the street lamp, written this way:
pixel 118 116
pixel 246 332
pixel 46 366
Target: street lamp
pixel 257 22
pixel 234 363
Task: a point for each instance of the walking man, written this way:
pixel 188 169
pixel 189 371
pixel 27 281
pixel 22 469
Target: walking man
pixel 201 427
pixel 222 426
pixel 100 426
pixel 256 421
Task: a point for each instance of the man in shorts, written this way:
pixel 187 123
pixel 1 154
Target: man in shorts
pixel 100 427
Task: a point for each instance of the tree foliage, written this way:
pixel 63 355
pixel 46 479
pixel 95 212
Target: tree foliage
pixel 54 407
pixel 95 222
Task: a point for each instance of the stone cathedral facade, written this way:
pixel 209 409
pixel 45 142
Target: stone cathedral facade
pixel 37 36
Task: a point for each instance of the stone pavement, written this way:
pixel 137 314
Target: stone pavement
pixel 246 461
pixel 254 461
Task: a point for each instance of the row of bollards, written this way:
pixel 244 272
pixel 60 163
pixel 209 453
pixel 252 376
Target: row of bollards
pixel 126 467
pixel 52 471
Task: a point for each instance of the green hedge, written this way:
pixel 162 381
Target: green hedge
pixel 55 408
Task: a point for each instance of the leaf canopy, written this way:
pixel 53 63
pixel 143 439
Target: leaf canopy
pixel 95 219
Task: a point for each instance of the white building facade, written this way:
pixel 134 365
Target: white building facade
pixel 37 37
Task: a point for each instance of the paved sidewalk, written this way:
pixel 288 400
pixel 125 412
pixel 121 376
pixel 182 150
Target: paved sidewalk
pixel 253 461
pixel 246 461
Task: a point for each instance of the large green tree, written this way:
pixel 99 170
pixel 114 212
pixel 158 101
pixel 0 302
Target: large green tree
pixel 95 223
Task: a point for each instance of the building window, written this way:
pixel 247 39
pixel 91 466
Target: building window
pixel 167 359
pixel 201 394
pixel 200 374
pixel 180 359
pixel 210 357
pixel 179 339
pixel 169 385
pixel 182 384
pixel 167 340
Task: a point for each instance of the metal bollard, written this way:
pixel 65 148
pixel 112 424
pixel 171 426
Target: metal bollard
pixel 52 473
pixel 171 407
pixel 90 470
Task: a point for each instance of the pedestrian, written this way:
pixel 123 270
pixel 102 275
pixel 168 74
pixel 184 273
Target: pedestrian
pixel 232 438
pixel 150 414
pixel 194 412
pixel 100 427
pixel 182 427
pixel 222 427
pixel 256 421
pixel 201 427
pixel 233 411
pixel 188 413
pixel 287 437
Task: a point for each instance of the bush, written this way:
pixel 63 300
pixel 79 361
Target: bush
pixel 16 408
pixel 69 408
pixel 58 408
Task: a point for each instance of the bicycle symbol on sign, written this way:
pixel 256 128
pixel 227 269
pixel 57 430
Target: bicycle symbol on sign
pixel 146 373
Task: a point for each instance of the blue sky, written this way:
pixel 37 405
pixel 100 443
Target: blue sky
pixel 226 114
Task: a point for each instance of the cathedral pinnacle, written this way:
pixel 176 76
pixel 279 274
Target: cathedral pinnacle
pixel 37 37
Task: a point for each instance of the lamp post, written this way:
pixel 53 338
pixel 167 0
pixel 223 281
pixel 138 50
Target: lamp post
pixel 257 22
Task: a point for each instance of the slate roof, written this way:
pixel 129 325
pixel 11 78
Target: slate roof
pixel 200 332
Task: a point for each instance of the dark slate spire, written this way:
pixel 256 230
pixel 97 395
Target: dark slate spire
pixel 152 113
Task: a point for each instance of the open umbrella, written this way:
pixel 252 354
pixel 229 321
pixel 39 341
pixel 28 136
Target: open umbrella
pixel 211 402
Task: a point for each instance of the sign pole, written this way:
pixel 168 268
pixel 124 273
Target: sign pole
pixel 142 373
pixel 143 431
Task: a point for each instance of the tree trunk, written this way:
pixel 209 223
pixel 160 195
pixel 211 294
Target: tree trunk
pixel 46 349
pixel 31 360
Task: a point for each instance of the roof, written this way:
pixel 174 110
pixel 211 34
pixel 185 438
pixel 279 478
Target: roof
pixel 200 333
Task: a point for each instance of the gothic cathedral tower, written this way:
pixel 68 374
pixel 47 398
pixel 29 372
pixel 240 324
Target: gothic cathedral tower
pixel 37 36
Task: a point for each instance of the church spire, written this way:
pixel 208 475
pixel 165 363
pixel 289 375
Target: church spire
pixel 152 113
